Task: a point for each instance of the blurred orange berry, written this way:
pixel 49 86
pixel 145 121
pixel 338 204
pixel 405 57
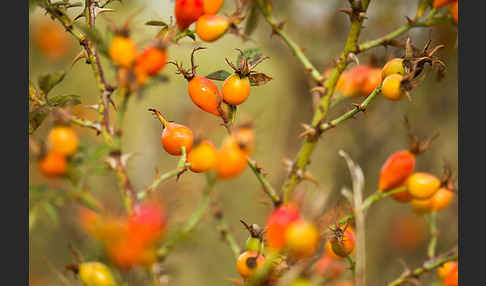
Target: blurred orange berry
pixel 212 6
pixel 445 269
pixel 452 278
pixel 122 51
pixel 329 267
pixel 396 169
pixel 63 140
pixel 278 222
pixel 151 61
pixel 454 10
pixel 187 12
pixel 53 165
pixel 422 185
pixel 209 28
pixel 203 157
pixel 51 39
pixel 231 161
pixel 442 199
pixel 407 232
pixel 301 238
pixel 441 3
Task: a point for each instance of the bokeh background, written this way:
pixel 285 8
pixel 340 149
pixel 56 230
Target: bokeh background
pixel 277 110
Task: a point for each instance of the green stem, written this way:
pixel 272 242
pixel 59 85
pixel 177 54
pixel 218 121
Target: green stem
pixel 362 107
pixel 182 165
pixel 191 223
pixel 228 237
pixel 426 22
pixel 432 222
pixel 306 150
pixel 426 267
pixel 267 188
pixel 309 67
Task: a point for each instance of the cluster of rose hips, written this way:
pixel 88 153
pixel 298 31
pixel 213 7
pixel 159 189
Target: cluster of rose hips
pixel 209 25
pixel 448 273
pixel 129 240
pixel 294 238
pixel 135 69
pixel 453 9
pixel 229 160
pixel 424 191
pixel 359 80
pixel 205 94
pixel 62 142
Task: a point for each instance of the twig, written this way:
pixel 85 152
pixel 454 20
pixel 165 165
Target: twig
pixel 432 222
pixel 182 165
pixel 362 107
pixel 383 41
pixel 267 188
pixel 329 85
pixel 426 267
pixel 226 234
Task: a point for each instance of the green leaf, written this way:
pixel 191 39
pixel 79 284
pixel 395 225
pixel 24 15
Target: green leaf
pixel 257 79
pixel 251 55
pixel 157 23
pixel 63 100
pixel 48 81
pixel 219 75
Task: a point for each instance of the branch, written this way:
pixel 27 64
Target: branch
pixel 432 222
pixel 191 223
pixel 385 40
pixel 302 159
pixel 362 107
pixel 426 267
pixel 267 188
pixel 277 29
pixel 182 165
pixel 226 234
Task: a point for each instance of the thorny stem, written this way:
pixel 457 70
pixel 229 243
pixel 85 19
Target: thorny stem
pixel 181 166
pixel 105 89
pixel 227 236
pixel 267 188
pixel 432 222
pixel 383 41
pixel 426 267
pixel 362 107
pixel 302 159
pixel 191 223
pixel 316 75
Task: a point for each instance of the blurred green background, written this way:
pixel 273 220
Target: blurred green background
pixel 277 110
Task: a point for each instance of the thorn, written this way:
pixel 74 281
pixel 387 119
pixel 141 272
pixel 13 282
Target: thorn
pixel 349 12
pixel 354 58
